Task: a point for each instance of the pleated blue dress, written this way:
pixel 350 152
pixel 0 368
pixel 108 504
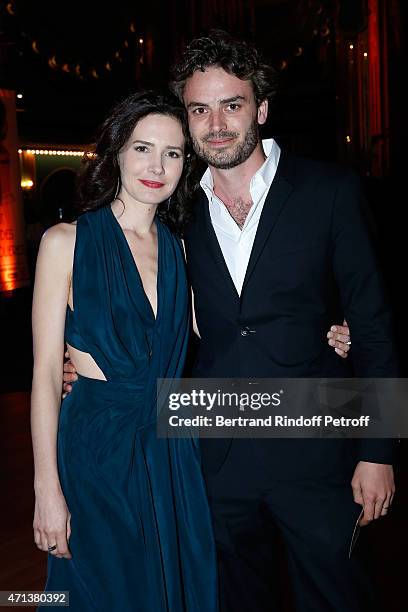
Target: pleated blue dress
pixel 141 529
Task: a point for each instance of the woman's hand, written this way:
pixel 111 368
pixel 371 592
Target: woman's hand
pixel 52 524
pixel 339 338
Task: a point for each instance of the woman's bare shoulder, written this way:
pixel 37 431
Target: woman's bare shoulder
pixel 61 235
pixel 58 242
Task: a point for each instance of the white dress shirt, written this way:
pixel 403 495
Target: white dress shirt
pixel 235 243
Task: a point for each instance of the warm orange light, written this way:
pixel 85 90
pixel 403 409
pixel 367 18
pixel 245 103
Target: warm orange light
pixel 27 184
pixel 52 62
pixel 8 279
pixel 348 139
pixel 141 41
pixel 13 263
pixel 351 46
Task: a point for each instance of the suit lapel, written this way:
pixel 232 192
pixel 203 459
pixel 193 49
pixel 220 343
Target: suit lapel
pixel 277 196
pixel 214 246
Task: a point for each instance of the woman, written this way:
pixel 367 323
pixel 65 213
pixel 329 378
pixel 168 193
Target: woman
pixel 122 514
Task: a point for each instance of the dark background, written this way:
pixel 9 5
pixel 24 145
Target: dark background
pixel 56 54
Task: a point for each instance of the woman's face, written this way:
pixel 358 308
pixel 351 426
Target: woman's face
pixel 151 162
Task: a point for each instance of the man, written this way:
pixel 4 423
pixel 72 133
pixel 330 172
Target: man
pixel 271 239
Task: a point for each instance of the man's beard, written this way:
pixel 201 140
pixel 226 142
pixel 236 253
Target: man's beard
pixel 225 159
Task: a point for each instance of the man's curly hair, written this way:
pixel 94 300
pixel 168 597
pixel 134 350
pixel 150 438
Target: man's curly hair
pixel 237 57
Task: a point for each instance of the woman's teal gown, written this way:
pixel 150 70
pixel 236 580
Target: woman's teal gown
pixel 141 529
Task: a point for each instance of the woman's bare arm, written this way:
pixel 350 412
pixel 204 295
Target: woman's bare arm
pixel 52 281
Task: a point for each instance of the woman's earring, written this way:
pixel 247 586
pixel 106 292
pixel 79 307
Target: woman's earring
pixel 117 189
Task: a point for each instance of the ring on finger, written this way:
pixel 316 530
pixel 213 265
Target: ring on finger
pixel 52 548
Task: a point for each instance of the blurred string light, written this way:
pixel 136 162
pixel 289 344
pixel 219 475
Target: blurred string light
pixel 351 47
pixel 11 8
pixel 321 29
pixel 56 152
pixel 80 68
pixel 27 184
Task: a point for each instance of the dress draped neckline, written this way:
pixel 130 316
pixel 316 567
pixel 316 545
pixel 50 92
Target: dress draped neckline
pixel 122 237
pixel 112 313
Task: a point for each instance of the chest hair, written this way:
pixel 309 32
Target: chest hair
pixel 239 208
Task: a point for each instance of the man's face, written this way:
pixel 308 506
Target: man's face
pixel 223 117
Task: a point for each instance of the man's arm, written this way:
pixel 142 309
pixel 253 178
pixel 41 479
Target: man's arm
pixel 369 318
pixel 338 337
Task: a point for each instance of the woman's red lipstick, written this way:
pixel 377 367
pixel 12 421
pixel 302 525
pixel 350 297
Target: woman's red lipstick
pixel 152 184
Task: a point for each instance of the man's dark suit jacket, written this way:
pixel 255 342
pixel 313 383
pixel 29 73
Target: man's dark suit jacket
pixel 312 262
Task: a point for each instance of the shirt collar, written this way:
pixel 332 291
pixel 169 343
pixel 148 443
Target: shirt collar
pixel 264 176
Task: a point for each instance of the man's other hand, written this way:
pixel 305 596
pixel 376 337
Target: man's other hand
pixel 373 488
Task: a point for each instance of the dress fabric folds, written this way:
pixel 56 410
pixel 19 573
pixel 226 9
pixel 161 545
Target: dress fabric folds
pixel 141 529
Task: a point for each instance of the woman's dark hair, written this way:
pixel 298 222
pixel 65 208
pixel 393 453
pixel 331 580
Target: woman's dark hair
pixel 237 57
pixel 99 179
